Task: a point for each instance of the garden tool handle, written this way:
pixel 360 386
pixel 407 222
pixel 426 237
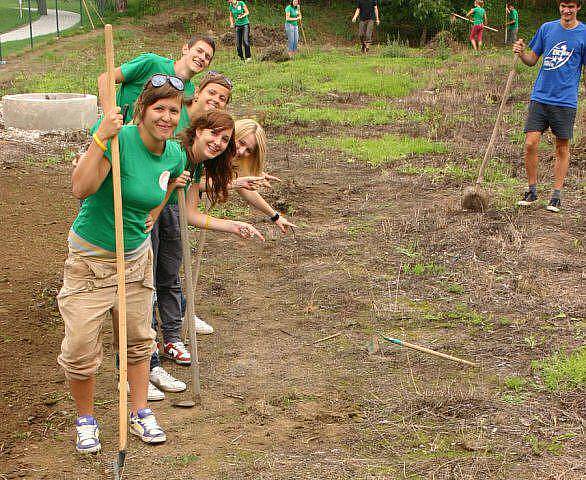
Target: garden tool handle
pixel 119 228
pixel 497 122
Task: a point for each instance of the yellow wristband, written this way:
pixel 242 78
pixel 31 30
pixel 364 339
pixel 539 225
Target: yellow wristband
pixel 207 225
pixel 99 143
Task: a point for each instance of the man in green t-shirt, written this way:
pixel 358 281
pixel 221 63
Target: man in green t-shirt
pixel 196 55
pixel 478 19
pixel 512 23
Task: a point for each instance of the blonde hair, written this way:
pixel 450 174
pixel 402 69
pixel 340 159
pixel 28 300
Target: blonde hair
pixel 254 166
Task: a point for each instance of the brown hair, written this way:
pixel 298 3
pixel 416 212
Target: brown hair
pixel 202 38
pixel 208 78
pixel 218 169
pixel 151 95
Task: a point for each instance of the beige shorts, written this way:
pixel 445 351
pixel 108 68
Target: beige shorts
pixel 89 296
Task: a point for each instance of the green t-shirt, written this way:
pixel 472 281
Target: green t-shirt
pixel 513 15
pixel 293 12
pixel 478 15
pixel 136 73
pixel 144 178
pixel 196 174
pixel 237 10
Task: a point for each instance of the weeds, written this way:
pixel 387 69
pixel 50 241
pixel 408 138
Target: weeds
pixel 562 372
pixel 376 151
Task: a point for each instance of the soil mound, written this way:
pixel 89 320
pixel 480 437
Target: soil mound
pixel 441 40
pixel 274 53
pixel 180 22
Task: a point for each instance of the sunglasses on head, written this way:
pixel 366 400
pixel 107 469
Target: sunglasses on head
pixel 213 73
pixel 160 79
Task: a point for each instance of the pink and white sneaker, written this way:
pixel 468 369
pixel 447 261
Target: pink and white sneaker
pixel 177 352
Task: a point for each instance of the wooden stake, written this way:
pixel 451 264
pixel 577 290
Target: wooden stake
pixel 120 264
pixel 189 290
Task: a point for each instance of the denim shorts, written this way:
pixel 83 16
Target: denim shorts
pixel 542 116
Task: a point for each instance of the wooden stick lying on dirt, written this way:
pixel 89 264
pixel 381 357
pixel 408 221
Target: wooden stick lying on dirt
pixel 329 337
pixel 468 20
pixel 396 341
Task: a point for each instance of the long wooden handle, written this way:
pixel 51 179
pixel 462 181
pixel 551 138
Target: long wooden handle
pixel 201 240
pixel 195 379
pixel 119 226
pixel 468 20
pixel 497 122
pixel 396 341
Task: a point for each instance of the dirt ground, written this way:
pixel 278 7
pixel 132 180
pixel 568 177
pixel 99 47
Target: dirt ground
pixel 502 289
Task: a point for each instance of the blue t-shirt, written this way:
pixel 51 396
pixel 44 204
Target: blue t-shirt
pixel 564 53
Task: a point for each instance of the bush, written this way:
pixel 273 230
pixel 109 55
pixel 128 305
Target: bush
pixel 396 48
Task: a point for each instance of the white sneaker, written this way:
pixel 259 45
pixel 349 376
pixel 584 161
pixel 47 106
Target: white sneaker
pixel 154 394
pixel 165 381
pixel 202 327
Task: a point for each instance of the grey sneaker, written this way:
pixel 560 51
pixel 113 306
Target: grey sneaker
pixel 555 205
pixel 528 199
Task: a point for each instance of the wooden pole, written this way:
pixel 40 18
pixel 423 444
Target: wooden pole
pixel 468 20
pixel 120 264
pixel 429 351
pixel 189 290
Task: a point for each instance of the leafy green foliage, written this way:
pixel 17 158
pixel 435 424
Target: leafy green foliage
pixel 562 372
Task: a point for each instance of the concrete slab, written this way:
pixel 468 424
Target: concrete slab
pixel 43 26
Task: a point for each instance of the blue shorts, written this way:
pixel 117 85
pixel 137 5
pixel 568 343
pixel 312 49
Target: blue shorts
pixel 542 116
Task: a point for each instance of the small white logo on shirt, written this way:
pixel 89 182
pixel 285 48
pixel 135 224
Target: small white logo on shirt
pixel 164 180
pixel 557 56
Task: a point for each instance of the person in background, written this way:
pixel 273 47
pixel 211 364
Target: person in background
pixel 292 18
pixel 479 18
pixel 239 20
pixel 512 23
pixel 367 10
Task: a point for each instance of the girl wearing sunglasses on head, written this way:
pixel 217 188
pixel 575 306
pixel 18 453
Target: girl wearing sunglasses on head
pixel 88 296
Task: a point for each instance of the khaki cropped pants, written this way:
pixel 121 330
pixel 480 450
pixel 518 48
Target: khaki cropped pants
pixel 89 296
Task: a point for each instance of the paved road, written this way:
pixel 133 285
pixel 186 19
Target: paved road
pixel 44 25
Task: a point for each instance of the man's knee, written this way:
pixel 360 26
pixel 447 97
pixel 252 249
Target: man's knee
pixel 532 142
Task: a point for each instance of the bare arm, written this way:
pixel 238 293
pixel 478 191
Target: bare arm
pixel 93 167
pixel 529 58
pixel 103 84
pixel 201 220
pixel 255 199
pixel 231 20
pixel 376 14
pixel 470 12
pixel 246 12
pixel 356 13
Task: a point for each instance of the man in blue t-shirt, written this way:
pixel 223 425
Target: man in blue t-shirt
pixel 554 99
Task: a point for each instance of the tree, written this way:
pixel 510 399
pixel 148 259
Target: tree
pixel 42 7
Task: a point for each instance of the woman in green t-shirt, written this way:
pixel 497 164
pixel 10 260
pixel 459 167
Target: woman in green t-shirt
pixel 292 18
pixel 89 293
pixel 239 20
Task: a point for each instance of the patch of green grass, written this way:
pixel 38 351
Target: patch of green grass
pixel 515 383
pixel 375 151
pixel 228 210
pixel 562 372
pixel 513 398
pixel 9 15
pixel 181 460
pixel 555 446
pixel 455 288
pixel 347 116
pixel 422 269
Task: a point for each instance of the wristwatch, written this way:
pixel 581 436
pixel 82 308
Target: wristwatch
pixel 275 217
